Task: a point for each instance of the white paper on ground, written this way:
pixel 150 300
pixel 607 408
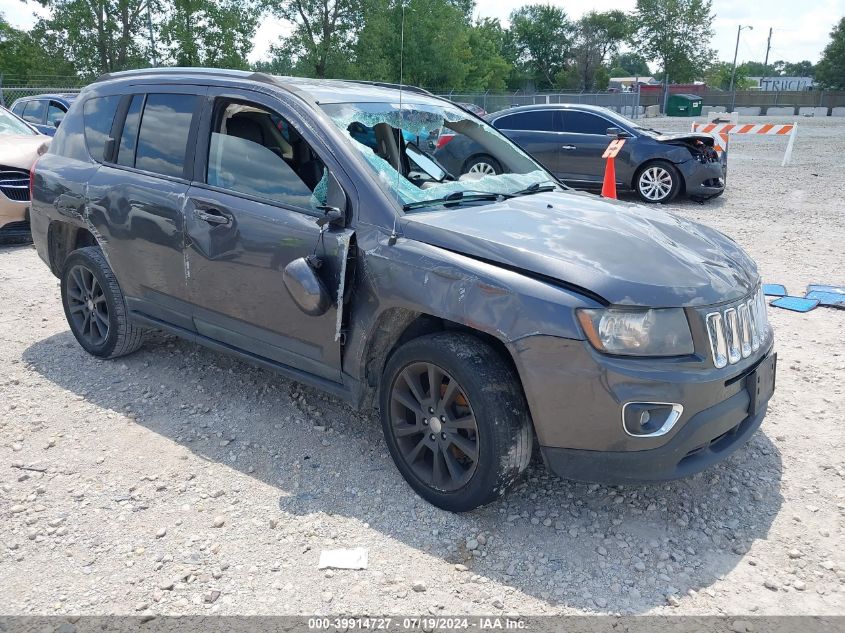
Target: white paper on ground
pixel 355 558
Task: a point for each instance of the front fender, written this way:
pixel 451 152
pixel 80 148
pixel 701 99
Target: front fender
pixel 407 279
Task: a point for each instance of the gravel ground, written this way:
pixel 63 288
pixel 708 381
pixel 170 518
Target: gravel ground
pixel 179 481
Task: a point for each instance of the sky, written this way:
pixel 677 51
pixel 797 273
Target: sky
pixel 801 28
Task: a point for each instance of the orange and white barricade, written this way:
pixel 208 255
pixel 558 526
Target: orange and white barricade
pixel 724 130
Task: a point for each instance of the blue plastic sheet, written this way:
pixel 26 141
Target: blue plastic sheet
pixel 774 290
pixel 795 304
pixel 830 299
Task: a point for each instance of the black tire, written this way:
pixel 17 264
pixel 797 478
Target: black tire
pixel 482 164
pixel 87 268
pixel 656 173
pixel 485 386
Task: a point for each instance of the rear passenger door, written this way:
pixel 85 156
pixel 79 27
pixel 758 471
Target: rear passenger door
pixel 538 133
pixel 251 210
pixel 137 198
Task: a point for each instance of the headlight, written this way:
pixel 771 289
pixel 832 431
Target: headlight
pixel 632 332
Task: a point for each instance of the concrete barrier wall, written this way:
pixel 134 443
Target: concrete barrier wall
pixel 749 111
pixel 812 111
pixel 706 111
pixel 779 111
pixel 840 111
pixel 652 111
pixel 629 110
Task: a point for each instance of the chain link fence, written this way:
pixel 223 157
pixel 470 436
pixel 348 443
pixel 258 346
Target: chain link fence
pixel 10 94
pixel 628 103
pixel 631 104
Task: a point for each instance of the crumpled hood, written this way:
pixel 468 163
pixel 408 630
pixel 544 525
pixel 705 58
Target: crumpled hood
pixel 627 254
pixel 687 137
pixel 21 151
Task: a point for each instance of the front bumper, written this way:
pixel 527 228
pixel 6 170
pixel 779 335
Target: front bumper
pixel 707 438
pixel 576 397
pixel 703 180
pixel 13 211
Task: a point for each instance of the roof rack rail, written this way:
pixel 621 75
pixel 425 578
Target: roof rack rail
pixel 385 84
pixel 168 70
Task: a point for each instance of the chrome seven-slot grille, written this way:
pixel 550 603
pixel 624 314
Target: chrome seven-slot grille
pixel 738 329
pixel 14 183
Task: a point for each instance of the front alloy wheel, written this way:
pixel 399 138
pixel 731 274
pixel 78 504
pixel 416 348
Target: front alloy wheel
pixel 658 182
pixel 454 419
pixel 434 427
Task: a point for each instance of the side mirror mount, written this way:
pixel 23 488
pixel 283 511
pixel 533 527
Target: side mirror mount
pixel 616 132
pixel 58 122
pixel 305 286
pixel 334 211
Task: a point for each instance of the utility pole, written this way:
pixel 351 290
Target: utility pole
pixel 152 39
pixel 733 72
pixel 766 63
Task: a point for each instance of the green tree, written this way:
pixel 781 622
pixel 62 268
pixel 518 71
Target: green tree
pixel 632 65
pixel 323 33
pixel 598 36
pixel 24 60
pixel 541 38
pixel 215 33
pixel 756 69
pixel 488 67
pixel 718 75
pixel 98 36
pixel 796 69
pixel 675 33
pixel 437 51
pixel 830 71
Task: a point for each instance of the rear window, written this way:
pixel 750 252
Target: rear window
pixel 163 137
pixel 540 121
pixel 98 114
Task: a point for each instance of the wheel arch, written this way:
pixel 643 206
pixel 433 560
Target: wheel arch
pixel 62 239
pixel 397 326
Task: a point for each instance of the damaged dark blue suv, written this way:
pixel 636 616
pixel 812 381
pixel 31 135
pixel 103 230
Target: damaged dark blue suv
pixel 306 226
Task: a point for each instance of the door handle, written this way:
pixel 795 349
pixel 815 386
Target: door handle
pixel 212 216
pixel 568 147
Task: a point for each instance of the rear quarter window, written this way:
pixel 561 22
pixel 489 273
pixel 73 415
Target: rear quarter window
pixel 539 121
pixel 98 114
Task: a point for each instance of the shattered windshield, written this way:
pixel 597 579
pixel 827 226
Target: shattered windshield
pixel 430 156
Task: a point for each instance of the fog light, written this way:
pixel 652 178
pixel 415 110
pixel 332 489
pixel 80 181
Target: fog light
pixel 650 419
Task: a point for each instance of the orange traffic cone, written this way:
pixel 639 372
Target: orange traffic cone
pixel 608 188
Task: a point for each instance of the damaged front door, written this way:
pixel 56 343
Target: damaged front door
pixel 255 213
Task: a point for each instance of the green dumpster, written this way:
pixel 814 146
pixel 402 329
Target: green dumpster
pixel 684 105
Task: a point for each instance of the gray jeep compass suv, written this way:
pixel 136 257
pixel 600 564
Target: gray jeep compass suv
pixel 305 225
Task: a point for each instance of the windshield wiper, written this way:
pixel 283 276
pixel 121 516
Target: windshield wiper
pixel 533 188
pixel 456 197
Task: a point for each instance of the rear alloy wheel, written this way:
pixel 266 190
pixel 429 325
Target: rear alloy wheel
pixel 483 166
pixel 455 420
pixel 94 306
pixel 658 182
pixel 87 306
